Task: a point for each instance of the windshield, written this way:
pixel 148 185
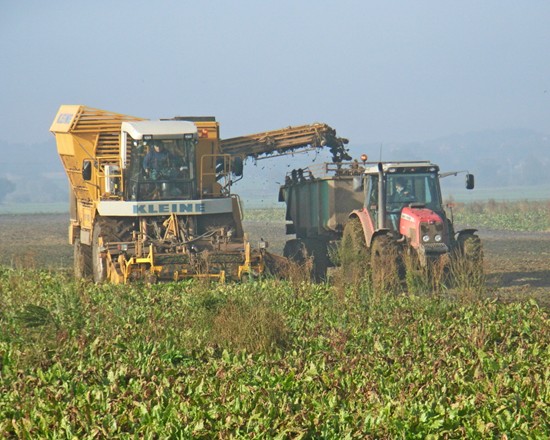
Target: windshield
pixel 421 188
pixel 403 189
pixel 161 170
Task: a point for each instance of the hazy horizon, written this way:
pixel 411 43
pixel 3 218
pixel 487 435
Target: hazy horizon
pixel 378 72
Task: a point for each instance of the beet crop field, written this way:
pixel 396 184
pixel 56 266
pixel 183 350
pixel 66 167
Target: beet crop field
pixel 274 358
pixel 265 359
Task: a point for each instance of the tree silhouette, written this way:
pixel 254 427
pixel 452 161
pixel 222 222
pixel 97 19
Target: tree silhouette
pixel 6 187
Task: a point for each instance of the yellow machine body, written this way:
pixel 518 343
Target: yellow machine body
pixel 121 229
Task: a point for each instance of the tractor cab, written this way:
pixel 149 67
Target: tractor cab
pixel 401 185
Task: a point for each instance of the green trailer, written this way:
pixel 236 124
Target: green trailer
pixel 318 202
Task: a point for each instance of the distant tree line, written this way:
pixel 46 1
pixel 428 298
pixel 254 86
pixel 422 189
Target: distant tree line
pixel 6 187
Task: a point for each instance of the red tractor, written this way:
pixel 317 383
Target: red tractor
pixel 403 223
pixel 383 214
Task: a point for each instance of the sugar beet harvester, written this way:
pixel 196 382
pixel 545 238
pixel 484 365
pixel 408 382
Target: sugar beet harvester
pixel 169 218
pixel 376 214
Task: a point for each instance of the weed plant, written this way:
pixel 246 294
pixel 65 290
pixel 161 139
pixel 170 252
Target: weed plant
pixel 265 359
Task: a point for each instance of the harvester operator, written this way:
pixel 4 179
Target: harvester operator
pixel 157 161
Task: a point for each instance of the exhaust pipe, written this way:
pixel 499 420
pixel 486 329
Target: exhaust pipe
pixel 381 197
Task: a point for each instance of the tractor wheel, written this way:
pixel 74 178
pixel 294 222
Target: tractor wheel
pixel 471 254
pixel 471 249
pixel 99 261
pixel 82 260
pixel 386 268
pixel 353 252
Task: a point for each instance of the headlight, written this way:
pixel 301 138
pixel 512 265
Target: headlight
pixel 437 237
pixel 425 238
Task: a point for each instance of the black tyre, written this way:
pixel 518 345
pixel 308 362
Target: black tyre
pixel 98 259
pixel 386 268
pixel 317 248
pixel 470 254
pixel 82 260
pixel 471 248
pixel 301 264
pixel 295 250
pixel 353 252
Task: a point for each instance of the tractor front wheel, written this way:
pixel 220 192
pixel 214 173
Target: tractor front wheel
pixel 470 253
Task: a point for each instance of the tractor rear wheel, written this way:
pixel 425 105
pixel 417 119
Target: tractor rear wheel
pixel 82 260
pixel 353 252
pixel 386 267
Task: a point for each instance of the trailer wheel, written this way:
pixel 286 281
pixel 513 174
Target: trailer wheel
pixel 295 250
pixel 82 260
pixel 385 264
pixel 317 248
pixel 99 261
pixel 353 252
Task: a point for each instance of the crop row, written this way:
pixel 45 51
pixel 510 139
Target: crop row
pixel 512 216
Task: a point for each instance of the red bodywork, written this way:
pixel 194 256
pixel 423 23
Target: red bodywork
pixel 416 222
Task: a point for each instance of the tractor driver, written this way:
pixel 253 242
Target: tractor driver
pixel 401 193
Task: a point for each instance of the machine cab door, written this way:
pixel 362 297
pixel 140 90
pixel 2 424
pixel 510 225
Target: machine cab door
pixel 371 198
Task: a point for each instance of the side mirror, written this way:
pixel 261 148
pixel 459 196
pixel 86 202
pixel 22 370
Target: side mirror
pixel 357 183
pixel 281 195
pixel 87 170
pixel 469 181
pixel 238 166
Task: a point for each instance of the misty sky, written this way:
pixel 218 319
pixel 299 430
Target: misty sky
pixel 377 71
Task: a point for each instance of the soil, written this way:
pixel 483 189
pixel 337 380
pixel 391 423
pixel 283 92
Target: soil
pixel 517 264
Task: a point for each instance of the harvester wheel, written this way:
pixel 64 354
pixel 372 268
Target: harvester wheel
pixel 82 260
pixel 386 267
pixel 353 252
pixel 99 261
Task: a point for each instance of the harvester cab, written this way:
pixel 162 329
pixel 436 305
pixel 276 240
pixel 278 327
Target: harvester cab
pixel 162 164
